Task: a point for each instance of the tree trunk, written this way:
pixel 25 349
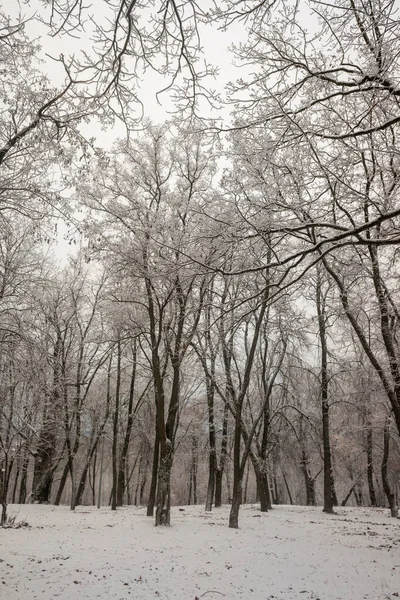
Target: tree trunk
pixel 16 480
pixel 128 432
pixel 128 485
pixel 328 483
pixel 358 495
pixel 287 487
pixel 22 487
pixel 222 460
pixel 308 480
pixel 73 490
pixel 115 431
pixel 370 466
pixel 262 482
pixel 3 489
pixel 61 486
pixel 304 463
pixel 194 468
pixel 163 510
pixel 394 509
pixel 212 457
pixel 43 472
pixel 236 502
pixel 24 478
pixel 154 476
pixel 82 484
pixel 100 490
pixel 43 467
pixel 190 486
pixel 167 434
pixel 246 483
pixel 92 480
pixel 275 490
pixel 143 482
pixel 239 460
pixel 218 488
pixel 237 470
pixel 211 480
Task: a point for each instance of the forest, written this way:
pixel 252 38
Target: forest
pixel 201 307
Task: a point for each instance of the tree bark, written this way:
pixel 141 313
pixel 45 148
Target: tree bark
pixel 61 485
pixel 46 448
pixel 236 501
pixel 154 476
pixel 391 498
pixel 212 456
pixel 309 481
pixel 115 430
pixel 163 513
pixel 222 460
pixel 128 432
pixel 4 479
pixel 262 483
pixel 328 475
pixel 370 466
pixel 287 487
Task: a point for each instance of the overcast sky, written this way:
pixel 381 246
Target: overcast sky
pixel 215 45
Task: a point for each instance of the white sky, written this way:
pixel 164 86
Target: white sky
pixel 215 44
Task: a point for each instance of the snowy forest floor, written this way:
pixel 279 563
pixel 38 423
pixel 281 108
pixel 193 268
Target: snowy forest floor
pixel 289 553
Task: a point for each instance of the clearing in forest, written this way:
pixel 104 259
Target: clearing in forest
pixel 290 553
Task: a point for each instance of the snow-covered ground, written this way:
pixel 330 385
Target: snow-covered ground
pixel 290 553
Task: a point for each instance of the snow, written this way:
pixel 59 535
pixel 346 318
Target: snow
pixel 289 553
